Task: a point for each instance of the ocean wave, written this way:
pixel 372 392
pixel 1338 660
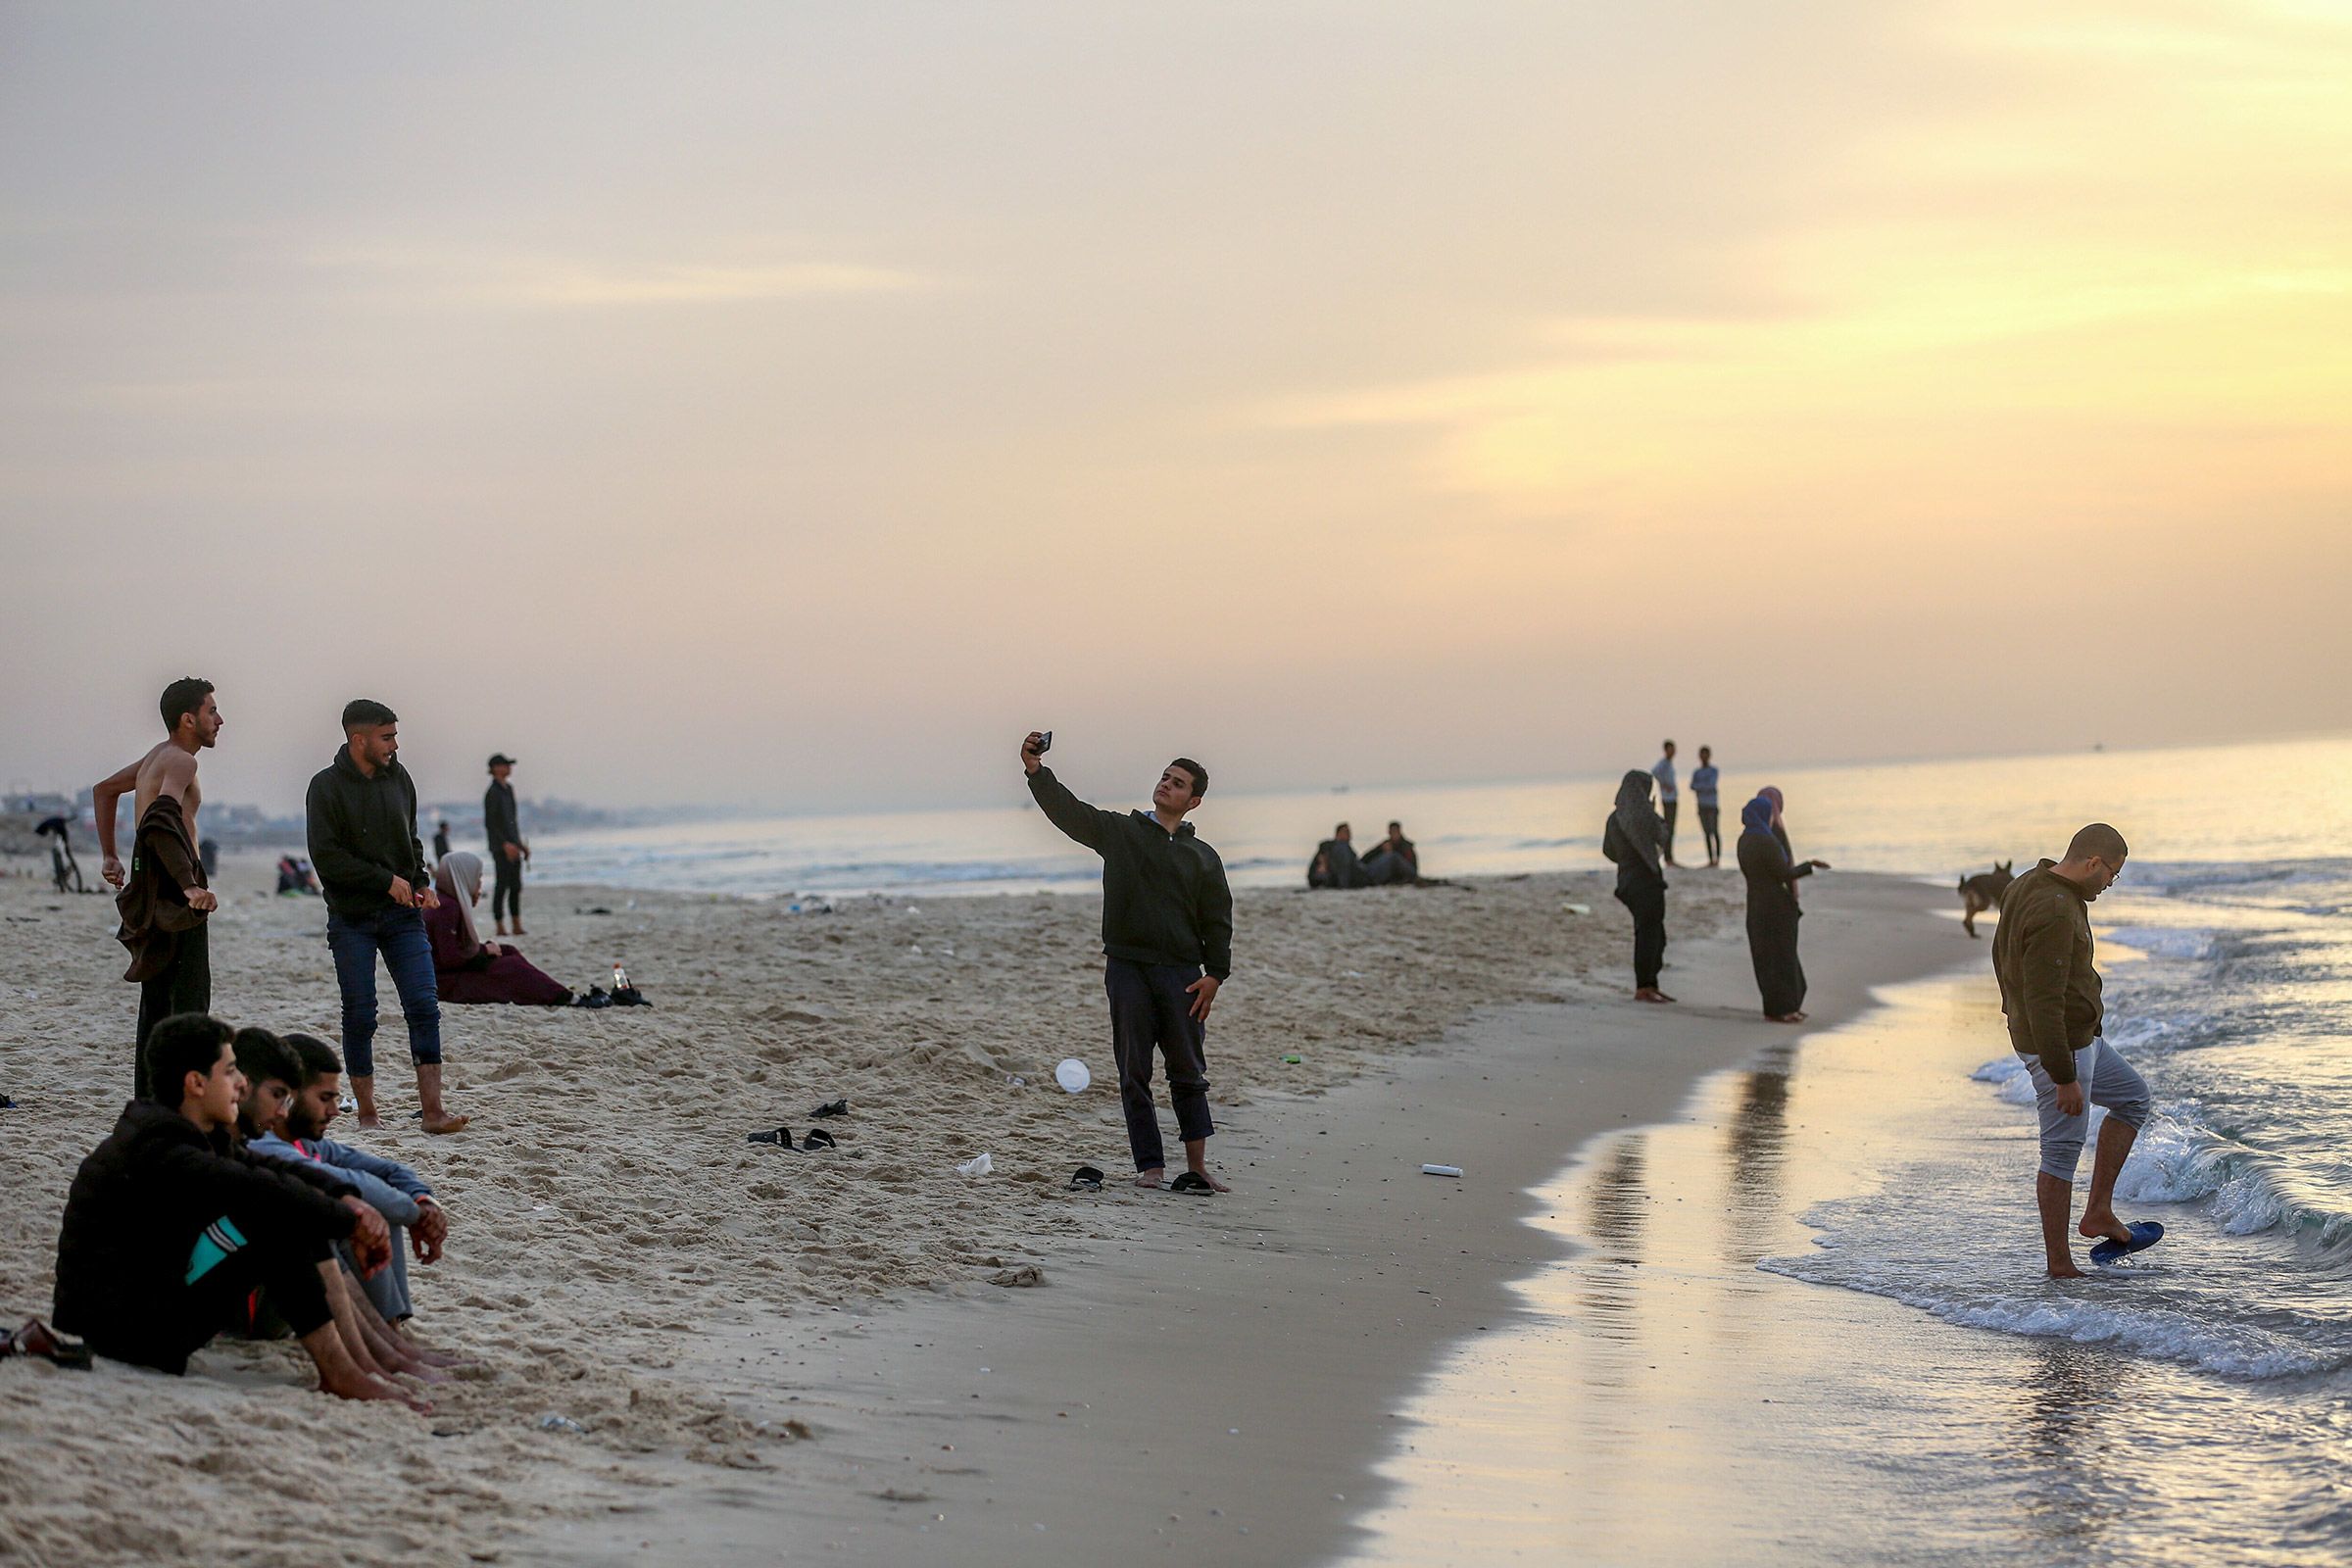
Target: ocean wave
pixel 2165 942
pixel 2228 1349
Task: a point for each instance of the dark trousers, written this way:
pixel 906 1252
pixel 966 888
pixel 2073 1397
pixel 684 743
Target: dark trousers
pixel 1772 949
pixel 506 890
pixel 226 1262
pixel 1666 814
pixel 185 986
pixel 397 934
pixel 1647 902
pixel 1708 817
pixel 1150 1007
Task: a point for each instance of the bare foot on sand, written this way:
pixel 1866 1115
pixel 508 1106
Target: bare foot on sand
pixel 446 1122
pixel 358 1385
pixel 373 1123
pixel 1651 994
pixel 1215 1185
pixel 1157 1176
pixel 2070 1273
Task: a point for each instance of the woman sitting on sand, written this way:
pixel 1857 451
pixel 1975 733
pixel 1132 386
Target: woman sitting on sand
pixel 1633 840
pixel 464 966
pixel 1772 909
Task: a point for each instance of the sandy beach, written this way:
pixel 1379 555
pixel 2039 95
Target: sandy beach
pixel 775 1354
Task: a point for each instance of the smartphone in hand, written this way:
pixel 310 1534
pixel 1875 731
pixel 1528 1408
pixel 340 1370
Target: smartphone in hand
pixel 1044 743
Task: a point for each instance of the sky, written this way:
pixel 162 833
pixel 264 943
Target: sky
pixel 794 405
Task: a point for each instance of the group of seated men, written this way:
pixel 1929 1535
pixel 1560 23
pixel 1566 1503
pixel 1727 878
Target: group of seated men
pixel 1337 865
pixel 217 1205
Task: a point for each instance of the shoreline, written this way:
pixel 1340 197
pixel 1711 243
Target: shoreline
pixel 1306 1312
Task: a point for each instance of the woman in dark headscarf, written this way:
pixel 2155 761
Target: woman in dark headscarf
pixel 1772 908
pixel 1632 840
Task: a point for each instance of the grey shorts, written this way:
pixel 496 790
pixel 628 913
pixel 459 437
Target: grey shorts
pixel 2108 1080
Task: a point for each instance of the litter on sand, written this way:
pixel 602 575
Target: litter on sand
pixel 979 1165
pixel 1072 1075
pixel 1441 1170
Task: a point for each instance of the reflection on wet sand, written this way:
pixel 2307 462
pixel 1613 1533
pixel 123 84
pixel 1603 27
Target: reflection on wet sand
pixel 1756 1159
pixel 2061 1409
pixel 1616 1213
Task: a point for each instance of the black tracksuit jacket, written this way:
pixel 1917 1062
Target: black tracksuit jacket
pixel 1164 898
pixel 363 834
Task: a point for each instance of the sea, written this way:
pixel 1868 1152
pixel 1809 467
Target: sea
pixel 1812 1301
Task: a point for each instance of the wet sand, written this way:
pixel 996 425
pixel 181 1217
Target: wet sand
pixel 1220 1379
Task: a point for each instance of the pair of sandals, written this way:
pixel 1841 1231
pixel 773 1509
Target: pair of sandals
pixel 598 996
pixel 1088 1179
pixel 814 1138
pixel 38 1339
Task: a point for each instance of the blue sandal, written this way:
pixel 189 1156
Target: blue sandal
pixel 2144 1234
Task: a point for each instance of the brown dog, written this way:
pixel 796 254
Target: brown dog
pixel 1983 892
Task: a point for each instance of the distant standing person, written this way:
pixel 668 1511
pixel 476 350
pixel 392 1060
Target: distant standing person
pixel 508 850
pixel 2043 956
pixel 1772 908
pixel 64 869
pixel 1632 841
pixel 1669 801
pixel 1167 946
pixel 440 842
pixel 164 900
pixel 1702 792
pixel 362 809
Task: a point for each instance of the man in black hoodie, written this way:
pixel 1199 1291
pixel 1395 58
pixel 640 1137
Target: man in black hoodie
pixel 362 811
pixel 1167 946
pixel 170 1227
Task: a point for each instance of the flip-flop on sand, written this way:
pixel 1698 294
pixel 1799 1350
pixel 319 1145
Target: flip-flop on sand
pixel 817 1138
pixel 834 1107
pixel 1191 1181
pixel 2144 1234
pixel 774 1135
pixel 1087 1178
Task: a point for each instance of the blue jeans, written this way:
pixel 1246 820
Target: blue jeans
pixel 399 935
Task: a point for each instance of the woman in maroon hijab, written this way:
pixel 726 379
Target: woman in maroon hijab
pixel 464 966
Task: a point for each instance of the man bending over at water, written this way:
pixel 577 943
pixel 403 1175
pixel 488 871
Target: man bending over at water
pixel 170 1228
pixel 272 1072
pixel 164 900
pixel 1167 916
pixel 2041 955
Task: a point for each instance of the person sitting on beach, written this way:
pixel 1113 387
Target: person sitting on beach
pixel 405 1199
pixel 272 1069
pixel 465 969
pixel 2050 995
pixel 294 875
pixel 1334 865
pixel 1392 859
pixel 1168 947
pixel 169 1227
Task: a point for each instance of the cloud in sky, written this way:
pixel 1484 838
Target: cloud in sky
pixel 739 402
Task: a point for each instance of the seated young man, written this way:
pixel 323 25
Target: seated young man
pixel 391 1189
pixel 1393 859
pixel 170 1227
pixel 1334 865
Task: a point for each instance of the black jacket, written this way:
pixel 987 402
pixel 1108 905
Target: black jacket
pixel 363 834
pixel 1164 898
pixel 499 821
pixel 136 1207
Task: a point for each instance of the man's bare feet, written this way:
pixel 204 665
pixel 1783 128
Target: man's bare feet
pixel 2070 1273
pixel 349 1383
pixel 446 1122
pixel 372 1121
pixel 2104 1226
pixel 502 928
pixel 1157 1176
pixel 1202 1171
pixel 1651 994
pixel 519 931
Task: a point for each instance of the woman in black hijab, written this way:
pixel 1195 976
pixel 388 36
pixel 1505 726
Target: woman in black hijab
pixel 1772 906
pixel 1632 840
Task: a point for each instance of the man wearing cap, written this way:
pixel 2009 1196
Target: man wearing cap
pixel 508 852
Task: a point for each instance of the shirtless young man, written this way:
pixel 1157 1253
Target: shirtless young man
pixel 183 982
